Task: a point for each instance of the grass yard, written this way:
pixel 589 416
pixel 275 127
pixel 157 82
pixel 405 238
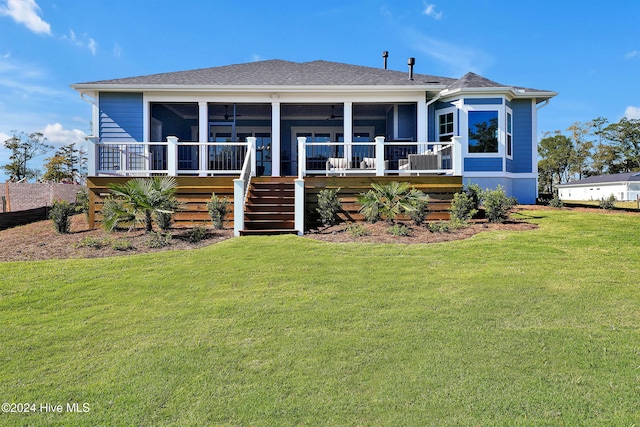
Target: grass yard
pixel 507 328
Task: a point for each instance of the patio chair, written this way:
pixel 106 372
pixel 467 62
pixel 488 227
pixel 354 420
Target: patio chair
pixel 337 165
pixel 370 163
pixel 428 161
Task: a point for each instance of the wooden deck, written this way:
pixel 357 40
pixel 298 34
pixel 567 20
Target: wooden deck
pixel 195 192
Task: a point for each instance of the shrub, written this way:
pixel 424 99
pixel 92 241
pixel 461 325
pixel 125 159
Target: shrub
pixel 158 239
pixel 390 200
pixel 497 205
pixel 419 203
pixel 466 203
pixel 92 242
pixel 399 230
pixel 82 202
pixel 608 203
pixel 61 214
pixel 218 209
pixel 115 214
pixel 328 206
pixel 122 245
pixel 164 217
pixel 556 202
pixel 197 233
pixel 439 226
pixel 357 230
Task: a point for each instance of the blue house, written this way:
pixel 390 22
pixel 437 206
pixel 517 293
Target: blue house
pixel 315 121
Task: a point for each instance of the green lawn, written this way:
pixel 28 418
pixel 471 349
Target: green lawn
pixel 508 328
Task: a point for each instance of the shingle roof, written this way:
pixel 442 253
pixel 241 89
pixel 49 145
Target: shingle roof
pixel 473 80
pixel 283 73
pixel 602 179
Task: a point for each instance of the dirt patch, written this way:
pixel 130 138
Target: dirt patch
pixel 39 240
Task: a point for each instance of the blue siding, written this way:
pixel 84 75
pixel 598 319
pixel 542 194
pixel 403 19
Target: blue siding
pixel 522 136
pixel 483 164
pixel 485 101
pixel 121 117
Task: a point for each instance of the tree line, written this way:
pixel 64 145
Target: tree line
pixel 586 149
pixel 67 164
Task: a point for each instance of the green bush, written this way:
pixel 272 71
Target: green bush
pixel 122 245
pixel 465 204
pixel 197 233
pixel 399 230
pixel 387 201
pixel 497 205
pixel 357 230
pixel 93 242
pixel 158 239
pixel 61 214
pixel 419 204
pixel 556 202
pixel 608 203
pixel 446 226
pixel 82 202
pixel 218 208
pixel 328 206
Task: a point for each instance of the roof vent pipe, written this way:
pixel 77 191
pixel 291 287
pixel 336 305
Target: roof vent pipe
pixel 411 63
pixel 385 55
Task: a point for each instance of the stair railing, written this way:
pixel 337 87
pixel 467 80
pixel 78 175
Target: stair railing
pixel 241 186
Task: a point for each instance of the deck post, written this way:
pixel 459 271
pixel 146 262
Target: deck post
pixel 299 205
pixel 302 157
pixel 379 155
pixel 251 142
pixel 456 155
pixel 92 156
pixel 238 206
pixel 172 155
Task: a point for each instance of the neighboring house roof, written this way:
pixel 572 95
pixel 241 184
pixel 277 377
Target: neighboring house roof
pixel 605 179
pixel 279 73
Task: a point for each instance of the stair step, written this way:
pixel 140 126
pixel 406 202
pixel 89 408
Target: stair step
pixel 271 232
pixel 269 216
pixel 269 225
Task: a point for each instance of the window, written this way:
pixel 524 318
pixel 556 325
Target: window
pixel 509 133
pixel 483 131
pixel 445 127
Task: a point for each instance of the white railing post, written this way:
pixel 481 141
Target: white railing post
pixel 93 156
pixel 299 205
pixel 251 146
pixel 172 155
pixel 379 155
pixel 302 157
pixel 238 206
pixel 456 155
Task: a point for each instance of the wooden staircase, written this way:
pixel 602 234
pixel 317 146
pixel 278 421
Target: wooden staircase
pixel 270 207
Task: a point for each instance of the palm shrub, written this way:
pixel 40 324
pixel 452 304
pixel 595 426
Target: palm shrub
pixel 218 208
pixel 61 213
pixel 139 200
pixel 497 205
pixel 328 206
pixel 387 201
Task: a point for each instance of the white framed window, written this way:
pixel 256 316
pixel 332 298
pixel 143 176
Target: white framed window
pixel 483 134
pixel 509 134
pixel 446 125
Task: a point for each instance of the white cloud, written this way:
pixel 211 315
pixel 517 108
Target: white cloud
pixel 84 41
pixel 460 59
pixel 255 58
pixel 631 54
pixel 117 50
pixel 430 10
pixel 632 112
pixel 56 134
pixel 26 12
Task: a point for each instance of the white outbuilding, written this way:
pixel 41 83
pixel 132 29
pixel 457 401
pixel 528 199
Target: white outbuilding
pixel 623 186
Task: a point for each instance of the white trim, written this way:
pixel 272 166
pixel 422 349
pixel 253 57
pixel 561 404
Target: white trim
pixel 498 175
pixel 275 138
pixel 441 112
pixel 534 138
pixel 508 110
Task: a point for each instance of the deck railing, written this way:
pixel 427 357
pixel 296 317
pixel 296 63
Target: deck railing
pixel 379 157
pixel 168 158
pixel 241 188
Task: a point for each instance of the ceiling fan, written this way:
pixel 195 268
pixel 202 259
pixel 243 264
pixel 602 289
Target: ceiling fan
pixel 226 112
pixel 333 114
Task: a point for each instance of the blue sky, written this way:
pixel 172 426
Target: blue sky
pixel 588 51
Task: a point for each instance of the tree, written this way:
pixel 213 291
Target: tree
pixel 67 164
pixel 625 138
pixel 580 160
pixel 139 200
pixel 24 148
pixel 556 154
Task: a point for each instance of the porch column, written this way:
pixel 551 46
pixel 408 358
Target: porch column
pixel 203 136
pixel 348 130
pixel 92 155
pixel 422 121
pixel 379 155
pixel 299 206
pixel 456 155
pixel 172 155
pixel 275 138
